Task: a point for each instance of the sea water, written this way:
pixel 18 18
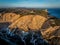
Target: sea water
pixel 54 12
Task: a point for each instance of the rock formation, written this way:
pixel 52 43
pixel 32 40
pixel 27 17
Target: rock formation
pixel 29 21
pixel 51 31
pixel 9 17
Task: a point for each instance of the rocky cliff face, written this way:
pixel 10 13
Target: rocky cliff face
pixel 29 21
pixel 8 17
pixel 24 22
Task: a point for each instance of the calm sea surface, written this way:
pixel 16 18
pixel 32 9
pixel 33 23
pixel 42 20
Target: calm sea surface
pixel 54 12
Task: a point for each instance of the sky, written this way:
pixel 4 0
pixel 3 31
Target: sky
pixel 30 3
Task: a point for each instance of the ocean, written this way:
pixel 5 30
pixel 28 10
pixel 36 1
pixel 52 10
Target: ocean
pixel 54 12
